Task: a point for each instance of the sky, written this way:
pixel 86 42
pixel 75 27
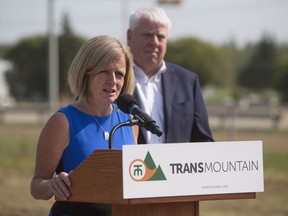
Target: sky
pixel 215 21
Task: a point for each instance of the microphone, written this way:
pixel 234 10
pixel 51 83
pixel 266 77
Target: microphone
pixel 128 104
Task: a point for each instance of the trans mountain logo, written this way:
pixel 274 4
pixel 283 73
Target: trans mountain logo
pixel 146 170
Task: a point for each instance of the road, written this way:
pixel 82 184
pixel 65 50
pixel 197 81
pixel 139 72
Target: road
pixel 224 119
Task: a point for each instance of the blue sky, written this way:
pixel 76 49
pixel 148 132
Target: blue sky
pixel 216 21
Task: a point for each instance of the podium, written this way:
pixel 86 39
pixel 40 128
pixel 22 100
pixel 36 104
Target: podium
pixel 98 179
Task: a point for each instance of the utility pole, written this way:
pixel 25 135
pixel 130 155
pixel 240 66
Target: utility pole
pixel 125 17
pixel 53 60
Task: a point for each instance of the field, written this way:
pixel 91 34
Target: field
pixel 17 153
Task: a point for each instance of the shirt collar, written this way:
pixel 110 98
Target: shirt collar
pixel 140 74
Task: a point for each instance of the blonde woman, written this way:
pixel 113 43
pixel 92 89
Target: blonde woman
pixel 99 73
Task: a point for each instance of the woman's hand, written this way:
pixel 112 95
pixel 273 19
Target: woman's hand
pixel 59 186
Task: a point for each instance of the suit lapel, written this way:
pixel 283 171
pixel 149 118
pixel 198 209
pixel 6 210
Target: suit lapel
pixel 169 82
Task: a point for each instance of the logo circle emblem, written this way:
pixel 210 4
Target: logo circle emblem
pixel 137 170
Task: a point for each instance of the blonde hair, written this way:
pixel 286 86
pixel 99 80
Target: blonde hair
pixel 94 56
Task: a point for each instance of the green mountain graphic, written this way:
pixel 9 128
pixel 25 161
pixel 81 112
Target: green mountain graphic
pixel 149 161
pixel 159 175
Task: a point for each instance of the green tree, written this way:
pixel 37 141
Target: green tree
pixel 239 57
pixel 212 64
pixel 28 79
pixel 259 73
pixel 69 44
pixel 282 73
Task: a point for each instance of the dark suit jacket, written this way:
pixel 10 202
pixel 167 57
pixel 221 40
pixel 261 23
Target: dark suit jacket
pixel 185 115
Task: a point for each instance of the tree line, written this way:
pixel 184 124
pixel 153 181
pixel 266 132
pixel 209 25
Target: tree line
pixel 257 67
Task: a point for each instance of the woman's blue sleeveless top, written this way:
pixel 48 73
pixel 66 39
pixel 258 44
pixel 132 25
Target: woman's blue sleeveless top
pixel 86 135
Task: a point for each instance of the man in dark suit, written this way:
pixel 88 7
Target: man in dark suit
pixel 169 93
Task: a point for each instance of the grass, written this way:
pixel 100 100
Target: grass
pixel 17 154
pixel 273 201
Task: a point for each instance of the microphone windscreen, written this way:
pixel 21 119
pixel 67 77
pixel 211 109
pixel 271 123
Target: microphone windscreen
pixel 125 102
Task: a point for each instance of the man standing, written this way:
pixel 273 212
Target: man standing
pixel 169 93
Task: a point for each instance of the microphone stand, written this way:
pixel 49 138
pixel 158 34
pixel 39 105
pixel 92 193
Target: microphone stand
pixel 134 121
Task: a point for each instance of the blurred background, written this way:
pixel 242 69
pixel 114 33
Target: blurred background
pixel 238 48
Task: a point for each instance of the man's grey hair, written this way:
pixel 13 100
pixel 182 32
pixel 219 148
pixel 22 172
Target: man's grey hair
pixel 155 14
